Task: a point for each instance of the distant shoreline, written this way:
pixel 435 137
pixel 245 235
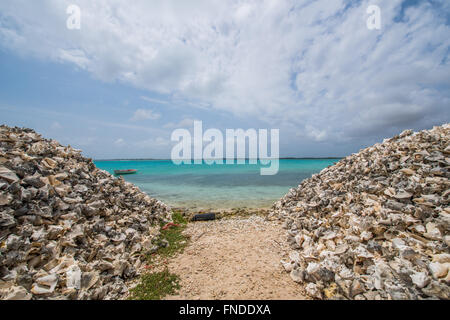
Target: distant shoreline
pixel 286 158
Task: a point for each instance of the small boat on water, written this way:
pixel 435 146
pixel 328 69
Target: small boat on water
pixel 129 171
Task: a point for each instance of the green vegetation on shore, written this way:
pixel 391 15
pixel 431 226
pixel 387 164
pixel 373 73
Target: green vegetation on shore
pixel 173 238
pixel 156 285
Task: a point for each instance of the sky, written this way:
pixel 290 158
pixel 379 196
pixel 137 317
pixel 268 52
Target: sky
pixel 135 71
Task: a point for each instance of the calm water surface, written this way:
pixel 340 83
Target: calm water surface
pixel 216 186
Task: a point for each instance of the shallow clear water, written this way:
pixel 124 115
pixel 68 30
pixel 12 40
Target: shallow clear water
pixel 216 186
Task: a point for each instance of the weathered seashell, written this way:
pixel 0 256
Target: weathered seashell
pixel 342 248
pixel 447 240
pixel 330 245
pixel 299 239
pixel 294 256
pixel 6 220
pixel 331 291
pixel 49 163
pixel 45 284
pixel 432 231
pixel 8 175
pixel 362 252
pixel 419 228
pixel 403 195
pixel 35 181
pixel 80 188
pixel 346 273
pixel 329 235
pixel 442 258
pixel 61 176
pixel 17 293
pixel 288 266
pixel 73 277
pixel 119 267
pixel 62 190
pixel 53 232
pixel 53 181
pixel 63 264
pixel 89 279
pixel 356 288
pixel 366 235
pixel 438 270
pixel 420 279
pixel 407 171
pixel 408 253
pixel 397 293
pixel 431 198
pixel 297 275
pixel 434 289
pixel 72 200
pixel 39 234
pixel 398 243
pixel 5 199
pixel 352 238
pixel 313 290
pixel 313 268
pixel 104 266
pixel 389 192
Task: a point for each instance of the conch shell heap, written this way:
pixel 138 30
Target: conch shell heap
pixel 376 224
pixel 67 229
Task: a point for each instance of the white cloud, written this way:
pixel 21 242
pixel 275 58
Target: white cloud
pixel 77 57
pixel 152 143
pixel 145 114
pixel 298 64
pixel 153 100
pixel 119 142
pixel 316 134
pixel 186 123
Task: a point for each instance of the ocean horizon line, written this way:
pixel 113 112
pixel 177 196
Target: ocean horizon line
pixel 282 158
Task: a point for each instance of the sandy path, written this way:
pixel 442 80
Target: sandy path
pixel 236 258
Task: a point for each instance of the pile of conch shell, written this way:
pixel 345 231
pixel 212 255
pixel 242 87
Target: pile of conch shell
pixel 67 229
pixel 376 224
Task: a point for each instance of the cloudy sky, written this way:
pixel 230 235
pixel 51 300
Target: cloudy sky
pixel 136 70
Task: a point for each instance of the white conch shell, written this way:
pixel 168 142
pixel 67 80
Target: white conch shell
pixel 73 277
pixel 45 284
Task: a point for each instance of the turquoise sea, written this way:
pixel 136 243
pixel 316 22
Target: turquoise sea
pixel 216 186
